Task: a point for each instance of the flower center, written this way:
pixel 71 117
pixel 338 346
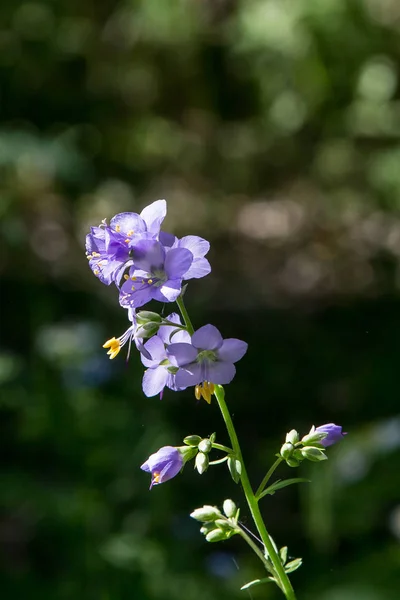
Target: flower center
pixel 156 477
pixel 206 356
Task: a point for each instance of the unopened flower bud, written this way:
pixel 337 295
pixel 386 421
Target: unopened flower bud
pixel 202 462
pixel 147 316
pixel 205 446
pixel 216 536
pixel 147 330
pixel 287 450
pixel 206 513
pixel 223 524
pixel 314 454
pixel 229 508
pixel 192 440
pixel 292 437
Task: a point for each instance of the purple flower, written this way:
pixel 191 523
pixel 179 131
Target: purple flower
pixel 109 247
pixel 334 432
pixel 160 372
pixel 206 359
pixel 114 345
pixel 199 247
pixel 157 274
pixel 163 465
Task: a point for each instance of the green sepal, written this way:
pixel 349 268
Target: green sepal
pixel 257 582
pixel 235 468
pixel 293 565
pixel 287 450
pixel 187 452
pixel 223 524
pixel 278 485
pixel 213 437
pixel 192 440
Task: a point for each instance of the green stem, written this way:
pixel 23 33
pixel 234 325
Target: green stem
pixel 284 581
pixel 223 448
pixel 254 547
pixel 268 476
pixel 185 315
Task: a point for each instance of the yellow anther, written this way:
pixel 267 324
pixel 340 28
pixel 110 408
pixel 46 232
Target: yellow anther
pixel 197 392
pixel 156 477
pixel 96 271
pixel 211 387
pixel 133 288
pixel 133 278
pixel 118 228
pixel 131 232
pixel 149 281
pixel 89 256
pixel 205 392
pixel 126 277
pixel 96 254
pixel 114 347
pixel 127 241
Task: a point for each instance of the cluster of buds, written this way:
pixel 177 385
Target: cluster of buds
pixel 312 446
pixel 217 525
pixel 204 447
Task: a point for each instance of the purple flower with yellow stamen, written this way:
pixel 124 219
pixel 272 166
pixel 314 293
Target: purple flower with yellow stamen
pixel 157 274
pixel 114 345
pixel 334 433
pixel 160 373
pixel 208 359
pixel 109 247
pixel 163 464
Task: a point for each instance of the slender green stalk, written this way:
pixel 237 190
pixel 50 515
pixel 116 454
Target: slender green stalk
pixel 221 447
pixel 254 547
pixel 268 476
pixel 285 584
pixel 283 580
pixel 185 315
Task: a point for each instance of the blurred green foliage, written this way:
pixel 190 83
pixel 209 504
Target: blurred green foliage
pixel 272 127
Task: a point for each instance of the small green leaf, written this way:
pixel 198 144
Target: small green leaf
pixel 293 565
pixel 278 485
pixel 257 582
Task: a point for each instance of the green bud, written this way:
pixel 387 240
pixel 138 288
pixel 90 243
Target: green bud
pixel 292 437
pixel 146 316
pixel 292 462
pixel 235 468
pixel 313 436
pixel 223 524
pixel 205 446
pixel 206 513
pixel 216 536
pixel 212 437
pixel 192 440
pixel 202 462
pixel 286 450
pixel 207 527
pixel 229 508
pixel 147 330
pixel 314 454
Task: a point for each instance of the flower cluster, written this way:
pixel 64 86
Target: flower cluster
pixel 147 264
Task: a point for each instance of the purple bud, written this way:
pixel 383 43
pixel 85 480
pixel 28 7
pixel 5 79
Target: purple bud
pixel 163 465
pixel 334 432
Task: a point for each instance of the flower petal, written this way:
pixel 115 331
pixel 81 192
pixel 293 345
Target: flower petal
pixel 191 374
pixel 181 354
pixel 200 268
pixel 168 291
pixel 197 245
pixel 177 262
pixel 148 255
pixel 156 349
pixel 153 215
pixel 167 239
pixel 136 297
pixel 207 338
pixel 220 372
pixel 154 381
pixel 170 470
pixel 128 222
pixel 164 333
pixel 232 350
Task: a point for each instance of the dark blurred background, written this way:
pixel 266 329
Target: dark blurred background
pixel 272 128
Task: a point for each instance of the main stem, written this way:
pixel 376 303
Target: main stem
pixel 284 581
pixel 285 584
